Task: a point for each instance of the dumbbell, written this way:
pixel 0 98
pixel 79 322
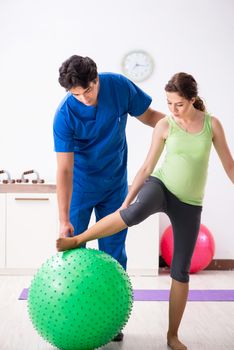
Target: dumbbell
pixel 8 180
pixel 28 172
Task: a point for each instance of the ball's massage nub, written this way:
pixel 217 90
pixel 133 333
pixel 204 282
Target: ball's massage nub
pixel 80 299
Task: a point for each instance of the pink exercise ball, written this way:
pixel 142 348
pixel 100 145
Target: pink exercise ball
pixel 203 252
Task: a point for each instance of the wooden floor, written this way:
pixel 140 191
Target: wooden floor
pixel 206 325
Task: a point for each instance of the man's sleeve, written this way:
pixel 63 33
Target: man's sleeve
pixel 63 134
pixel 139 101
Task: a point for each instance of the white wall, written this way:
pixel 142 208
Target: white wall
pixel 183 35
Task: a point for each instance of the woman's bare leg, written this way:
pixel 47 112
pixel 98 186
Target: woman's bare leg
pixel 177 303
pixel 107 226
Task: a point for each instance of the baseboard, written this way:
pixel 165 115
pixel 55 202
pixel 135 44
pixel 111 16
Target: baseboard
pixel 137 272
pixel 17 272
pixel 216 264
pixel 221 264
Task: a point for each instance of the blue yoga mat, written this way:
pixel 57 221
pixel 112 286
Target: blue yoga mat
pixel 163 295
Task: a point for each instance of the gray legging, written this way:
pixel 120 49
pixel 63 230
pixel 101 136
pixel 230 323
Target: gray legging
pixel 185 218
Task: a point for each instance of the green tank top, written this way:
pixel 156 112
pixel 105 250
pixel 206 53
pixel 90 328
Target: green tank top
pixel 184 169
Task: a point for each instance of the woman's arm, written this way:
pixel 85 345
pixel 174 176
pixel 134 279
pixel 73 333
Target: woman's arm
pixel 158 140
pixel 222 148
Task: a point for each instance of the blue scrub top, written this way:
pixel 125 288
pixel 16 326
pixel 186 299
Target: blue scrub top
pixel 96 134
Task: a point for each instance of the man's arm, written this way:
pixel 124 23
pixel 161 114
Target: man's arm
pixel 151 117
pixel 65 164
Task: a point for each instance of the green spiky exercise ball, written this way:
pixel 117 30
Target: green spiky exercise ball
pixel 80 299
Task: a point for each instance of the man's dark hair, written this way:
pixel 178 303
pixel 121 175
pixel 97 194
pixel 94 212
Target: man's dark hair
pixel 77 71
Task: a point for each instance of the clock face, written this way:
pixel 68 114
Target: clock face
pixel 137 65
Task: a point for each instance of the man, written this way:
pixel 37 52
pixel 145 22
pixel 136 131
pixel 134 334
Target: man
pixel 90 141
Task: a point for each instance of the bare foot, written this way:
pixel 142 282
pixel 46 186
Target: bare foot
pixel 66 243
pixel 174 343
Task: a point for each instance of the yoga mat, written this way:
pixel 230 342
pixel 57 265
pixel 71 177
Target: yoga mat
pixel 23 294
pixel 163 295
pixel 194 295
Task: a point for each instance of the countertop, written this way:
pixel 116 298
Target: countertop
pixel 27 188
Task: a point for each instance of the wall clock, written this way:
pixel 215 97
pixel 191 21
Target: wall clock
pixel 137 65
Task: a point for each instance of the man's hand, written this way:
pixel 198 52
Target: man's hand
pixel 66 230
pixel 123 206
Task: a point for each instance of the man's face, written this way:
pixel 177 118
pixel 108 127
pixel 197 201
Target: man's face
pixel 88 96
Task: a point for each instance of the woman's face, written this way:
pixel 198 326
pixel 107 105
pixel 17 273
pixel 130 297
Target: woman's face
pixel 179 106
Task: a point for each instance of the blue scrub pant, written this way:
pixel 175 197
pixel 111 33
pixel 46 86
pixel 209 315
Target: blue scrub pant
pixel 82 205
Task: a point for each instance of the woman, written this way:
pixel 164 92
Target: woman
pixel 176 188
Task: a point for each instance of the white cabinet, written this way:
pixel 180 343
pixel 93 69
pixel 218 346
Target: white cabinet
pixel 142 247
pixel 31 229
pixel 2 229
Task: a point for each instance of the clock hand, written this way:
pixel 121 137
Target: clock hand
pixel 140 65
